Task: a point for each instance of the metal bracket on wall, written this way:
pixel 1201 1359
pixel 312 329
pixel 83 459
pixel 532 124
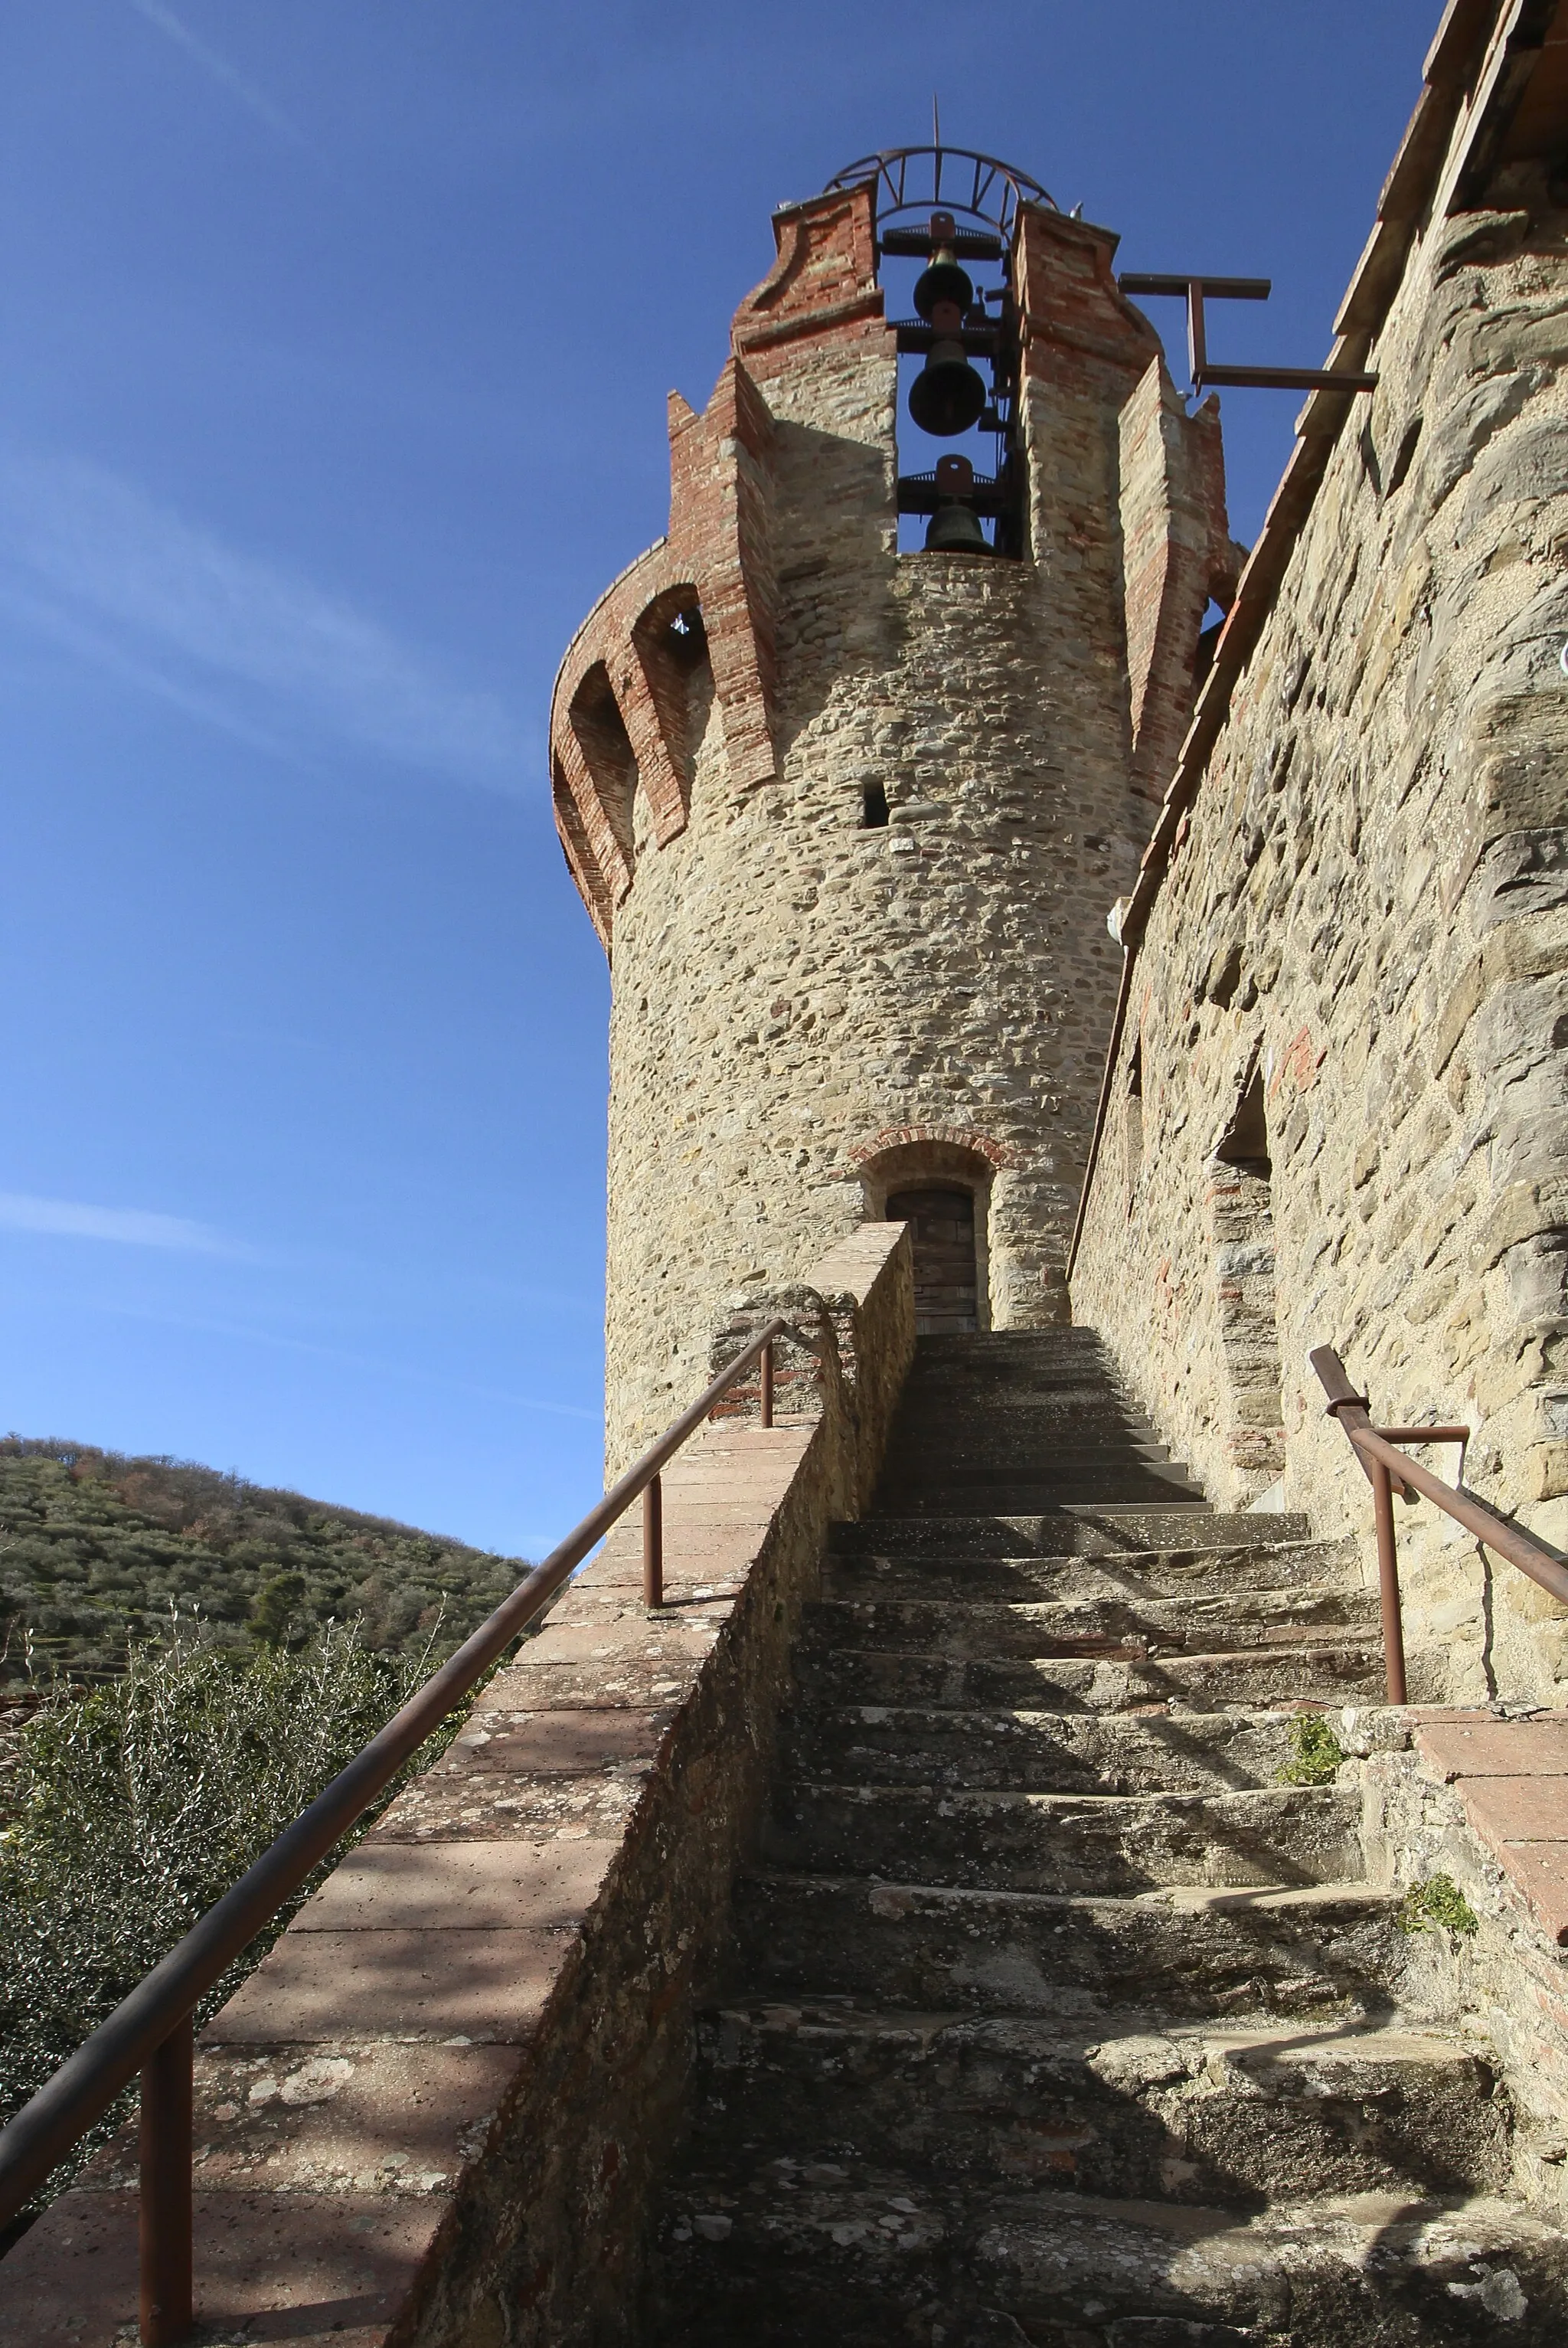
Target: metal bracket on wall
pixel 1194 291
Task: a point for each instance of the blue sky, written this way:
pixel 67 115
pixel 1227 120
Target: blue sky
pixel 336 335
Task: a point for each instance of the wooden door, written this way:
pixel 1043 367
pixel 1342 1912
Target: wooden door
pixel 942 1233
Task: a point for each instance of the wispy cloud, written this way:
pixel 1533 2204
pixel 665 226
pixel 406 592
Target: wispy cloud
pixel 419 1373
pixel 129 1226
pixel 86 552
pixel 253 100
pixel 28 609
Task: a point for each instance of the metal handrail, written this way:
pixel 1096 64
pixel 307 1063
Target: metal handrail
pixel 151 2031
pixel 1384 1466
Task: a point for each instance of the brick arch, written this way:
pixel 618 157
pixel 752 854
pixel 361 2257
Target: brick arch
pixel 935 1158
pixel 893 1138
pixel 619 722
pixel 605 746
pixel 576 834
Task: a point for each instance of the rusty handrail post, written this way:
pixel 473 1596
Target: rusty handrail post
pixel 1384 1466
pixel 653 1543
pixel 166 2307
pixel 1354 1414
pixel 1388 1582
pixel 768 1383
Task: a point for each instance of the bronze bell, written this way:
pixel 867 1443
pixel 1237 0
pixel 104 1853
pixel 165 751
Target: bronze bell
pixel 955 528
pixel 943 280
pixel 947 395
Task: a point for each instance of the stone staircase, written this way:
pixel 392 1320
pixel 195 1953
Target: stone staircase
pixel 1057 2017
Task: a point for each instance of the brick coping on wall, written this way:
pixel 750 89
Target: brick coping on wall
pixel 1512 1779
pixel 454 2074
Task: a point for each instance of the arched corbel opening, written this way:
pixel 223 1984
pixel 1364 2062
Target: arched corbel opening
pixel 1241 1194
pixel 942 1189
pixel 578 849
pixel 600 734
pixel 670 645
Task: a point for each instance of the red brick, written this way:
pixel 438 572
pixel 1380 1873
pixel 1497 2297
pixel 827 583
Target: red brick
pixel 1485 1747
pixel 1517 1809
pixel 1540 1871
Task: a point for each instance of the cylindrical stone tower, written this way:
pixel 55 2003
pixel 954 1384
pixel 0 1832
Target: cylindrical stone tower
pixel 850 820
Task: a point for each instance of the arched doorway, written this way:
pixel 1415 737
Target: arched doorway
pixel 942 1235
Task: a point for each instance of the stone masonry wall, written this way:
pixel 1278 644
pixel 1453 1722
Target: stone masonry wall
pixel 436 2113
pixel 1367 910
pixel 790 987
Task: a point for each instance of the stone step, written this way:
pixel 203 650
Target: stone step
pixel 1253 1679
pixel 1009 1496
pixel 1087 1532
pixel 1136 1573
pixel 1084 1422
pixel 1326 1950
pixel 1005 1841
pixel 1154 2106
pixel 1037 1752
pixel 989 1389
pixel 958 1455
pixel 1199 1623
pixel 1078 1389
pixel 1120 1472
pixel 1000 1356
pixel 863 2255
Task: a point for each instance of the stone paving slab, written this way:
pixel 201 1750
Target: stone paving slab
pixel 501 1738
pixel 332 1987
pixel 636 1683
pixel 294 2267
pixel 489 1807
pixel 458 1887
pixel 387 2117
pixel 635 1633
pixel 693 1589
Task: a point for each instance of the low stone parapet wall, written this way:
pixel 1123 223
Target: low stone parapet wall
pixel 1480 1799
pixel 436 2112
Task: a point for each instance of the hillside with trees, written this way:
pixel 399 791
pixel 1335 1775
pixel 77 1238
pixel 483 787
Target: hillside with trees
pixel 97 1550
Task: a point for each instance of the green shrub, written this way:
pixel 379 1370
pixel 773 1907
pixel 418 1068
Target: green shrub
pixel 1437 1905
pixel 96 1547
pixel 130 1810
pixel 276 1612
pixel 1313 1752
